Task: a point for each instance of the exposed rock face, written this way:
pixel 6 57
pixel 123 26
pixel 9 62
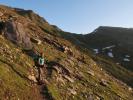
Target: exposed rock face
pixel 15 32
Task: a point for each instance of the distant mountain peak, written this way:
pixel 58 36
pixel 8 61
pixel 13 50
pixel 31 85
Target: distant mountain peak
pixel 112 28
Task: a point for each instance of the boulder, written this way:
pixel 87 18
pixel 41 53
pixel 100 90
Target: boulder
pixel 90 73
pixel 104 82
pixel 99 98
pixel 72 91
pixel 67 50
pixel 32 78
pixel 68 78
pixel 15 32
pixel 37 41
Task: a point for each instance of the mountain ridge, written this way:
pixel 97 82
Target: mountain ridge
pixel 112 43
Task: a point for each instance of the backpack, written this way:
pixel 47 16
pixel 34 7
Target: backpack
pixel 41 61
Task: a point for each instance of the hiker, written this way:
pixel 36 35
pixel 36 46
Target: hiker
pixel 41 66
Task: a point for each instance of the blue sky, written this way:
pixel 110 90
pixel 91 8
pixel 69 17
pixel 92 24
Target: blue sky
pixel 80 16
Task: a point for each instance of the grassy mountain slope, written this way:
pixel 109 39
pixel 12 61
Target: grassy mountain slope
pixel 71 76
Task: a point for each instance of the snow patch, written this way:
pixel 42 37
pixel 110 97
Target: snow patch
pixel 96 51
pixel 109 47
pixel 110 54
pixel 126 59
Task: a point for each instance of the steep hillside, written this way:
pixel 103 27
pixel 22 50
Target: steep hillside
pixel 70 74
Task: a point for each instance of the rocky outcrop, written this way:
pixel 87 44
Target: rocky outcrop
pixel 15 32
